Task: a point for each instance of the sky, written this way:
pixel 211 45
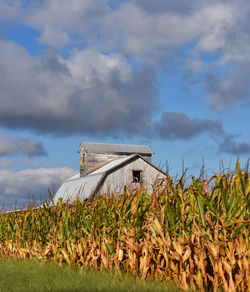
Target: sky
pixel 174 75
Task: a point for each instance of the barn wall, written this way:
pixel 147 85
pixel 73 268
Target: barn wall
pixel 97 159
pixel 117 180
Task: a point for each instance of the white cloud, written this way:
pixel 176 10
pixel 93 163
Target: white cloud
pixel 53 37
pixel 88 93
pixel 86 64
pixel 139 28
pixel 29 184
pixel 57 20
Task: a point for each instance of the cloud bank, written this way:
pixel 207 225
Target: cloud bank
pixel 16 188
pixel 150 32
pixel 87 93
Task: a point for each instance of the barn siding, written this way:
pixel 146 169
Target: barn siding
pixel 117 180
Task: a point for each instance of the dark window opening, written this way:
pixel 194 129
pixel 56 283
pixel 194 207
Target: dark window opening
pixel 136 175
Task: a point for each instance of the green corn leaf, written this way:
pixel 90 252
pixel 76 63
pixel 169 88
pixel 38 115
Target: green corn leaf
pixel 223 196
pixel 109 248
pixel 238 229
pixel 201 210
pixel 170 214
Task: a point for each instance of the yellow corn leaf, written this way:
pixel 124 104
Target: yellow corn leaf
pixel 104 260
pixel 186 254
pixel 178 248
pixel 157 227
pixel 213 249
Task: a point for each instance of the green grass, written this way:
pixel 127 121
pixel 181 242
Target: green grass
pixel 29 275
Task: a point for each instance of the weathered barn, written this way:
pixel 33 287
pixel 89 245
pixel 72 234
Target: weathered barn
pixel 109 168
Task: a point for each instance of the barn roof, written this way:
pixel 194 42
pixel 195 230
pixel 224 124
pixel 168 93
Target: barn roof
pixel 83 187
pixel 115 148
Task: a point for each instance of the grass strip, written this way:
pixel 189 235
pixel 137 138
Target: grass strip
pixel 31 275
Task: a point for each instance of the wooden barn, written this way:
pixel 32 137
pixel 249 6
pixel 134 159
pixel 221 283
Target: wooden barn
pixel 109 168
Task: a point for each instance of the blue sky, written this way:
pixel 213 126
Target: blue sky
pixel 171 74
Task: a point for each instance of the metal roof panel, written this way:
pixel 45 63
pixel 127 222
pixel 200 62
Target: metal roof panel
pixel 75 188
pixel 117 148
pixel 82 187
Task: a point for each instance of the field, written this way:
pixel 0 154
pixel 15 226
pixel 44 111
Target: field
pixel 196 235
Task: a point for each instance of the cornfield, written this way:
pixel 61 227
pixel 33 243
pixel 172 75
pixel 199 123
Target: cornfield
pixel 196 235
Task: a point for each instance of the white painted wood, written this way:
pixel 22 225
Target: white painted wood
pixel 122 177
